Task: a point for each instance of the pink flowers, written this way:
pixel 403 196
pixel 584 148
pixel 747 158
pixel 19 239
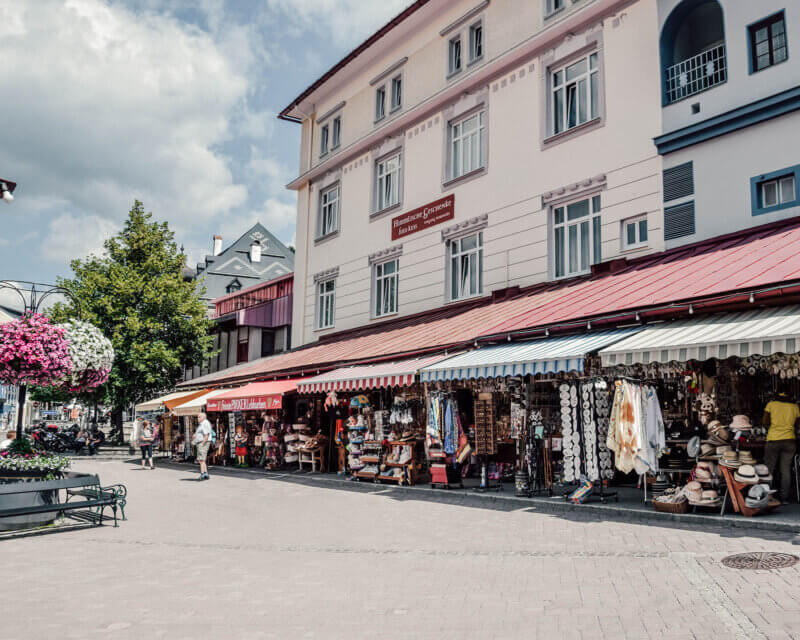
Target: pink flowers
pixel 33 350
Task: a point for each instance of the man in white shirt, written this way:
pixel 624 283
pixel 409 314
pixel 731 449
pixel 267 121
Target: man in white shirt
pixel 203 438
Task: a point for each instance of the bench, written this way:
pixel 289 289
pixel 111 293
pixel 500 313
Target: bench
pixel 95 497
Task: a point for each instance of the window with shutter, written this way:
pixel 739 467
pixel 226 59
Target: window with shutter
pixel 679 221
pixel 678 181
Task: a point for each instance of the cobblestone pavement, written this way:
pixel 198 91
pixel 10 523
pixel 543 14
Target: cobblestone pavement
pixel 254 557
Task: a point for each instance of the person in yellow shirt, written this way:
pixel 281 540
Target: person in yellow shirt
pixel 782 416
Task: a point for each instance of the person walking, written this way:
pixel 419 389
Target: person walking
pixel 146 444
pixel 782 416
pixel 203 437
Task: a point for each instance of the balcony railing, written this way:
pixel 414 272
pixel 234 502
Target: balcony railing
pixel 696 74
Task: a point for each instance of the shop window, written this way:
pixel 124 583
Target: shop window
pixel 387 176
pixel 775 191
pixel 385 278
pixel 328 222
pixel 454 56
pixel 576 237
pixel 467 145
pixel 768 42
pixel 574 92
pixel 634 232
pixel 326 303
pixel 466 266
pixel 242 347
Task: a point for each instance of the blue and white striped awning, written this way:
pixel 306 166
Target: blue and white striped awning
pixel 552 355
pixel 761 332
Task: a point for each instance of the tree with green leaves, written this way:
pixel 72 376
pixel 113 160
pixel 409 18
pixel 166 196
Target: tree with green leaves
pixel 136 295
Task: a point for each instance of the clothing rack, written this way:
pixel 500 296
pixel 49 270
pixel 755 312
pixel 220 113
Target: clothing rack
pixel 603 495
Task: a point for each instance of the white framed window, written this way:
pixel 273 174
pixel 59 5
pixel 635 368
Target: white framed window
pixel 328 212
pixel 465 260
pixel 380 103
pixel 476 41
pixel 323 140
pixel 388 175
pixel 454 56
pixel 575 93
pixel 576 237
pixel 385 278
pixel 397 93
pixel 336 132
pixel 467 144
pixel 634 232
pixel 551 6
pixel 326 304
pixel 777 191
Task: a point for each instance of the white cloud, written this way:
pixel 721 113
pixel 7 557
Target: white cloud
pixel 70 235
pixel 276 215
pixel 345 21
pixel 268 168
pixel 115 106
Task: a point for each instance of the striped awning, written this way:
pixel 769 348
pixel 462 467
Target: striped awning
pixel 553 355
pixel 196 405
pixel 374 376
pixel 167 401
pixel 759 332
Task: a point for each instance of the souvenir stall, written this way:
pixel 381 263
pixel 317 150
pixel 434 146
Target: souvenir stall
pixel 184 417
pixel 160 408
pixel 523 411
pixel 376 417
pixel 690 400
pixel 261 414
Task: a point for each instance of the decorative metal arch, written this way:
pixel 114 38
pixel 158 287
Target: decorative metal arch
pixel 37 293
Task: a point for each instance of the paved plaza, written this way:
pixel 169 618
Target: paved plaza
pixel 250 556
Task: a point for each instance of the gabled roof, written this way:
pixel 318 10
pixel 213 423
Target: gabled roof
pixel 713 274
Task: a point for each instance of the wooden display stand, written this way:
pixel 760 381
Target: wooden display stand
pixel 409 466
pixel 736 491
pixel 313 457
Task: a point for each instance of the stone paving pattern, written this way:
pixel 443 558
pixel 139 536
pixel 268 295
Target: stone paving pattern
pixel 246 556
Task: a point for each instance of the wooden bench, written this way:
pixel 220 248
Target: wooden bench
pixel 96 497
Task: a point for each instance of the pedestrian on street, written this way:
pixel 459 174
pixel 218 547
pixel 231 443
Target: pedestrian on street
pixel 782 416
pixel 146 444
pixel 203 439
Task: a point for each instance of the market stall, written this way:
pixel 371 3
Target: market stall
pixel 261 416
pixel 727 387
pixel 184 422
pixel 158 411
pixel 375 417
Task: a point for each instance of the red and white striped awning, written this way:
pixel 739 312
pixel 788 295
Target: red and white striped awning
pixel 373 376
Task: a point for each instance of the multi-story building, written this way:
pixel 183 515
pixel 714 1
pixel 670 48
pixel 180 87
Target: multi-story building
pixel 471 146
pixel 249 324
pixel 730 95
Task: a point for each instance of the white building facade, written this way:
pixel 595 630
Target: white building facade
pixel 731 127
pixel 472 147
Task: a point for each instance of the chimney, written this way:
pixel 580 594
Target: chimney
pixel 217 245
pixel 255 252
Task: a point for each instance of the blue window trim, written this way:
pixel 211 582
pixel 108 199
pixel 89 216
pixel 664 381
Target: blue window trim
pixel 749 36
pixel 755 197
pixel 739 118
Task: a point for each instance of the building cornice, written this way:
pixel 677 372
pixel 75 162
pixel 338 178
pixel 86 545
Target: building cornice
pixel 469 14
pixel 386 254
pixel 478 223
pixel 472 80
pixel 574 190
pixel 328 274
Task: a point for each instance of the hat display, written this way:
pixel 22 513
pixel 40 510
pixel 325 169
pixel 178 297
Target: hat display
pixel 762 471
pixel 707 450
pixel 747 474
pixel 694 491
pixel 730 458
pixel 758 496
pixel 741 423
pixel 702 474
pixel 693 447
pixel 746 457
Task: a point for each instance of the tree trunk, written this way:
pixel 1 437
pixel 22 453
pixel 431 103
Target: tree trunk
pixel 116 435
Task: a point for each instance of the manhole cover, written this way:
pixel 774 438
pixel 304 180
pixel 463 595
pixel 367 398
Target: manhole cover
pixel 760 561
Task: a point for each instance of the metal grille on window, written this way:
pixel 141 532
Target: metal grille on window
pixel 696 74
pixel 678 181
pixel 679 221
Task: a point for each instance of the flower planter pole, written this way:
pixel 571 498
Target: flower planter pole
pixel 22 393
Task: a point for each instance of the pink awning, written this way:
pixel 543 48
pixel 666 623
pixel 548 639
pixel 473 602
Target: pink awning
pixel 258 396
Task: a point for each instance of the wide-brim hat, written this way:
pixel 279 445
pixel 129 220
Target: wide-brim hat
pixel 714 425
pixel 741 423
pixel 745 457
pixel 707 450
pixel 746 474
pixel 762 471
pixel 702 474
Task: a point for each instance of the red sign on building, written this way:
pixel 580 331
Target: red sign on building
pixel 253 403
pixel 424 217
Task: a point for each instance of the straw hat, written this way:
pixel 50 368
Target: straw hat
pixel 746 457
pixel 758 496
pixel 741 423
pixel 703 474
pixel 746 474
pixel 762 471
pixel 707 450
pixel 730 459
pixel 694 491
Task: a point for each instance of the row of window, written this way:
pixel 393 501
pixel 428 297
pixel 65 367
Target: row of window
pixel 576 245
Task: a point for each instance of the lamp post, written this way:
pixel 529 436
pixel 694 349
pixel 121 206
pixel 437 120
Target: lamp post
pixel 37 293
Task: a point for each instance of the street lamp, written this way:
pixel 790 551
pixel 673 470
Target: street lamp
pixel 7 190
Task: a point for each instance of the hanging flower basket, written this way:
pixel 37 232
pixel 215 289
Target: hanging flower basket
pixel 33 350
pixel 91 354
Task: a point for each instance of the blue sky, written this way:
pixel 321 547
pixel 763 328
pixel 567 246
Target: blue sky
pixel 172 102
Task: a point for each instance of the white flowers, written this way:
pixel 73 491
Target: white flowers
pixel 91 353
pixel 42 463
